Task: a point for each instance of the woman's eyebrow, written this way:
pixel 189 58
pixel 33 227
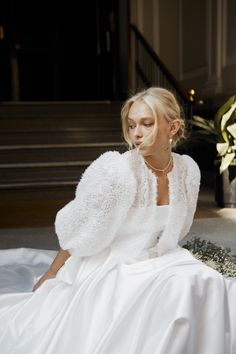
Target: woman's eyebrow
pixel 141 118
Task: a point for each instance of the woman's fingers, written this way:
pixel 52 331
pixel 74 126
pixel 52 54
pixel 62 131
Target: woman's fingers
pixel 48 275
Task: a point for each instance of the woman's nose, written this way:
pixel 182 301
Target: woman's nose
pixel 137 131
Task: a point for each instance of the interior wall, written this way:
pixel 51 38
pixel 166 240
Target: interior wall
pixel 169 35
pixel 228 46
pixel 195 40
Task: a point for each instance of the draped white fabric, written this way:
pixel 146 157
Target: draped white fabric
pixel 113 303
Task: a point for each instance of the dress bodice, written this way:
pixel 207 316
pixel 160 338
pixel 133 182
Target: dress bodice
pixel 161 216
pixel 160 220
pixel 134 239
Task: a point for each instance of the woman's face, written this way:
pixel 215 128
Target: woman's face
pixel 141 124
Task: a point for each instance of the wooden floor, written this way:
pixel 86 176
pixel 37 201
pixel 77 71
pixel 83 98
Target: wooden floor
pixel 41 212
pixel 29 213
pixel 30 223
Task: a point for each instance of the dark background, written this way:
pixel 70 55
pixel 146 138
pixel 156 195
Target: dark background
pixel 64 51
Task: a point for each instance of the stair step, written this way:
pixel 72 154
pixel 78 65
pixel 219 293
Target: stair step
pixel 61 107
pixel 20 171
pixel 42 171
pixel 46 146
pixel 44 190
pixel 52 152
pixel 43 164
pixel 54 146
pixel 51 123
pixel 56 136
pixel 38 184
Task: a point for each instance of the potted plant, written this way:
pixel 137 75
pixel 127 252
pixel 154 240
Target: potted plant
pixel 221 131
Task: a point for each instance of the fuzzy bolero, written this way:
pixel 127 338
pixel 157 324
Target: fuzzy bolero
pixel 113 184
pixel 103 197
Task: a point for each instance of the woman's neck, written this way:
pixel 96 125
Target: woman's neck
pixel 159 161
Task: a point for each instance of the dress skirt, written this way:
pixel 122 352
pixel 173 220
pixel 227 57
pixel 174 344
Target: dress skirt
pixel 115 304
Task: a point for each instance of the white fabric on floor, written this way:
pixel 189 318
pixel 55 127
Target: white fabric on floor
pixel 20 268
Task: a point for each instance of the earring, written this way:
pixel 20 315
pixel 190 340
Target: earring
pixel 170 140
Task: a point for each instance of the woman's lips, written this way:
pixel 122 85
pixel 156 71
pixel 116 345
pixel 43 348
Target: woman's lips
pixel 138 146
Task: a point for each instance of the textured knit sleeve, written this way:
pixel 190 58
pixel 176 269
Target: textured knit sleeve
pixel 89 223
pixel 192 185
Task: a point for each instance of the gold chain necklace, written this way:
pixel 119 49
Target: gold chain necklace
pixel 158 169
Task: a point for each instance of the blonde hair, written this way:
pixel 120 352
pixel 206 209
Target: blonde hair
pixel 160 101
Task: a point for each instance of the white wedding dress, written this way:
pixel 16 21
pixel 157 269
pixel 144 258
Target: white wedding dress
pixel 113 303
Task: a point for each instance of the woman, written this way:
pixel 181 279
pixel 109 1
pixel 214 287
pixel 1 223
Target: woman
pixel 120 283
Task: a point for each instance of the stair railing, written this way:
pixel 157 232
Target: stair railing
pixel 149 70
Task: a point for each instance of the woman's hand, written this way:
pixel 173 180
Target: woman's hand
pixel 58 262
pixel 50 274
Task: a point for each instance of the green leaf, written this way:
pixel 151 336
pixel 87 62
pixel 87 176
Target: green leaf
pixel 227 116
pixel 221 111
pixel 225 136
pixel 232 129
pixel 222 148
pixel 204 124
pixel 226 161
pixel 199 119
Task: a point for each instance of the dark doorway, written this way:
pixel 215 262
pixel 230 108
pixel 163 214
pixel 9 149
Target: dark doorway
pixel 55 52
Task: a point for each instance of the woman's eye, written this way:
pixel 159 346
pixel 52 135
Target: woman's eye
pixel 148 125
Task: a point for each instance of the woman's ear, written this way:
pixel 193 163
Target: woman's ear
pixel 174 126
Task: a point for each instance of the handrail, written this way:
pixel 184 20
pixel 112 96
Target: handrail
pixel 151 71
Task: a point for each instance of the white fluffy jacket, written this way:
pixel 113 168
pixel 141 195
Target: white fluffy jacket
pixel 116 184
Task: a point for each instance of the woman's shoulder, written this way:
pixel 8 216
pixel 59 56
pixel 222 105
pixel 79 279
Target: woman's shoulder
pixel 188 163
pixel 106 158
pixel 111 160
pixel 110 165
pixel 110 168
pixel 186 160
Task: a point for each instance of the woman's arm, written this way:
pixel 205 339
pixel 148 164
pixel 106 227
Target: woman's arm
pixel 60 259
pixel 89 223
pixel 58 262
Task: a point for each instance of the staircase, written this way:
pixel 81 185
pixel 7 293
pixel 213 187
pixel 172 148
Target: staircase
pixel 44 149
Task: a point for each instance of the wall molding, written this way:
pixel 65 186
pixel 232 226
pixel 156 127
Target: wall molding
pixel 226 60
pixel 200 70
pixel 180 40
pixel 155 27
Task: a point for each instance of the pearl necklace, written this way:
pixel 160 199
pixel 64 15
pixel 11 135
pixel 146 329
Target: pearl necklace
pixel 158 169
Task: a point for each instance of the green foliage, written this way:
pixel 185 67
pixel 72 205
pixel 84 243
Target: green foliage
pixel 221 131
pixel 205 130
pixel 215 256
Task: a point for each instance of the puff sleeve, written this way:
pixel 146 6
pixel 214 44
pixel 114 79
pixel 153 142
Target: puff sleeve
pixel 88 224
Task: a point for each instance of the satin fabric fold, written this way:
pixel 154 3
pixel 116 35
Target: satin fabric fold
pixel 116 304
